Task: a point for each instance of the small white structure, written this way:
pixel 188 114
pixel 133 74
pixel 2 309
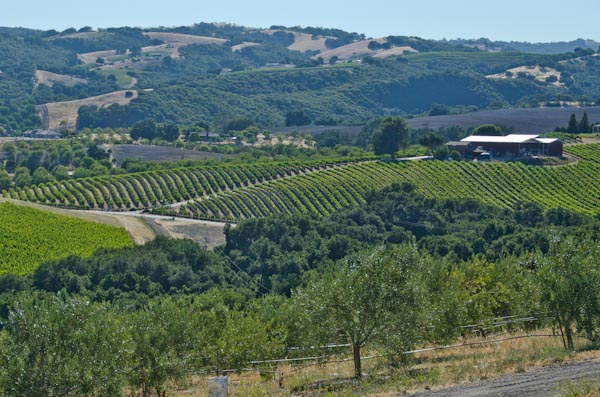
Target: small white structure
pixel 218 386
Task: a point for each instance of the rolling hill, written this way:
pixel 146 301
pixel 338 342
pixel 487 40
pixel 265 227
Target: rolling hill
pixel 207 72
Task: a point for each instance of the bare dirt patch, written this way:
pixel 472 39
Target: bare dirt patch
pixel 49 79
pixel 63 115
pixel 208 234
pixel 538 72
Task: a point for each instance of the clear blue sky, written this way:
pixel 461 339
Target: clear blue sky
pixel 523 20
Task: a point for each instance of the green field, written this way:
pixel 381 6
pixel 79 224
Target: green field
pixel 29 237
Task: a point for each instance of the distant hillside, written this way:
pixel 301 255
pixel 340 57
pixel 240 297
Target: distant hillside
pixel 534 121
pixel 212 72
pixel 538 48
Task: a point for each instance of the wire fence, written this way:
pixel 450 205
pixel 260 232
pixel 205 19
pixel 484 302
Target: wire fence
pixel 495 323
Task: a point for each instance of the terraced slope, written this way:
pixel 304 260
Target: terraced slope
pixel 29 236
pixel 159 188
pixel 575 187
pixel 231 193
pixel 585 152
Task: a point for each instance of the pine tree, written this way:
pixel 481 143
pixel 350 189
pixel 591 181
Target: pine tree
pixel 573 125
pixel 584 124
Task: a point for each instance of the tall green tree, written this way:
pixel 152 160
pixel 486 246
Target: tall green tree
pixel 22 177
pixel 5 181
pixel 166 336
pixel 573 125
pixel 145 129
pixel 569 277
pixel 584 124
pixel 488 130
pixel 391 134
pixel 373 298
pixel 431 140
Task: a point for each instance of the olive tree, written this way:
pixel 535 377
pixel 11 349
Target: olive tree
pixel 373 298
pixel 569 276
pixel 61 346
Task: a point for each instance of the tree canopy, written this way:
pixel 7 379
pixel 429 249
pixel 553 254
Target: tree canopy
pixel 391 134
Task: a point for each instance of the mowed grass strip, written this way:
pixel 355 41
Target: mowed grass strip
pixel 29 237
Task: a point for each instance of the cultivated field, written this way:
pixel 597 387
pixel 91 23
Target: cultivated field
pixel 49 79
pixel 529 120
pixel 62 115
pixel 159 153
pixel 31 236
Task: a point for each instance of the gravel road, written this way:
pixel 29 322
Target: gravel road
pixel 540 382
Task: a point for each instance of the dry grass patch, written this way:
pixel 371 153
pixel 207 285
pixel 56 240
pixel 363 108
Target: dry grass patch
pixel 240 47
pixel 538 72
pixel 90 57
pixel 63 115
pixel 49 79
pixel 305 42
pixel 432 370
pixel 361 48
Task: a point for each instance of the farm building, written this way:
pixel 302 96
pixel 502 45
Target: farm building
pixel 42 134
pixel 513 145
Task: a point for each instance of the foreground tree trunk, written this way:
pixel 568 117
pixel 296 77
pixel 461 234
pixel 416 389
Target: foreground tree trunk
pixel 569 335
pixel 357 364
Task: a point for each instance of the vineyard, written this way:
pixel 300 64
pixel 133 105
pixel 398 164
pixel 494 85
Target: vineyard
pixel 29 236
pixel 230 193
pixel 585 152
pixel 574 187
pixel 160 188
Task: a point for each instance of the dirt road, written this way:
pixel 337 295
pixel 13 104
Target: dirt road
pixel 539 382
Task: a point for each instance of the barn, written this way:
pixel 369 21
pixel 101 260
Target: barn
pixel 513 145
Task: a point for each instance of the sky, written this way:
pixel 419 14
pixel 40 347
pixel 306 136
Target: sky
pixel 519 20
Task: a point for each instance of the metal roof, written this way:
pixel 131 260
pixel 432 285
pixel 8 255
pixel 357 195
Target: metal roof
pixel 546 140
pixel 457 143
pixel 512 138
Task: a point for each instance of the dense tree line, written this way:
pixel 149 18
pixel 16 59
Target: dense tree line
pixel 139 317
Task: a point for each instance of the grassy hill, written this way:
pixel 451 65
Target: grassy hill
pixel 29 236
